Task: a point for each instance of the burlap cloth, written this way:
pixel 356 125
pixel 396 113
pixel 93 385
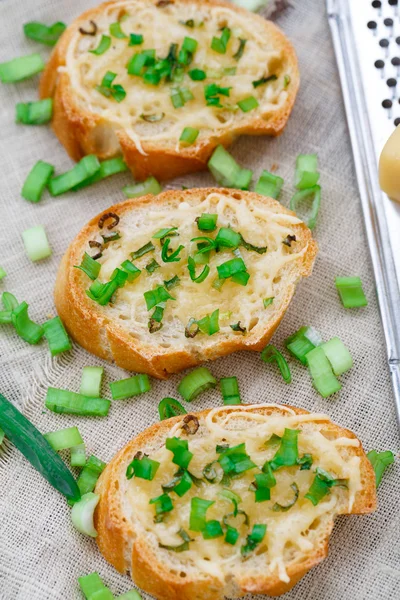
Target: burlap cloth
pixel 41 555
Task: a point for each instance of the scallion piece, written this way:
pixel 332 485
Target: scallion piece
pixel 268 301
pixel 45 34
pixel 142 251
pixel 89 266
pixel 89 475
pixel 116 31
pixel 267 469
pixel 227 172
pixel 142 467
pixel 231 268
pixel 338 355
pixel 321 372
pixel 261 487
pixel 133 386
pixel 64 401
pixel 2 273
pixel 154 297
pixel 197 74
pixel 380 461
pixel 198 512
pixel 36 243
pixel 271 354
pixel 180 484
pixel 188 136
pixel 78 455
pixel 149 186
pixel 351 292
pixel 306 171
pixel 220 44
pixel 165 232
pixel 285 507
pixel 321 486
pixel 307 202
pixel 269 185
pixel 212 530
pixel 207 222
pixel 264 80
pixel 302 342
pixel 227 238
pixel 162 504
pixel 28 330
pixel 305 462
pixel 253 539
pixel 192 271
pixel 108 167
pixel 64 438
pixel 92 584
pixel 248 104
pixel 171 283
pixel 180 450
pixel 195 383
pixel 235 460
pixel 131 595
pixel 9 301
pixel 210 323
pixel 169 407
pixel 133 272
pixel 84 169
pixel 57 337
pixel 135 39
pixel 239 53
pixel 288 451
pixel 21 68
pixel 34 113
pixel 169 256
pixel 36 181
pixel 232 535
pixel 104 44
pixel 82 517
pixel 230 390
pixel 91 381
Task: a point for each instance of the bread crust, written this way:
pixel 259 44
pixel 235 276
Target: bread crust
pixel 115 534
pixel 90 327
pixel 76 128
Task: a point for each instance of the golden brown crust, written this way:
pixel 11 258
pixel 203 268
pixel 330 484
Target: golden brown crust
pixel 89 326
pixel 154 576
pixel 76 129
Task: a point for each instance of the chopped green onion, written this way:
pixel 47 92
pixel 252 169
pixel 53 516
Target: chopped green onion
pixel 264 80
pixel 321 372
pixel 36 181
pixel 180 484
pixel 104 44
pixel 189 45
pixel 162 504
pixel 78 456
pixel 380 461
pixel 165 232
pixel 54 332
pixel 232 535
pixel 220 44
pixel 230 390
pixel 308 202
pixel 197 74
pixel 192 271
pixel 92 584
pixel 36 243
pixel 180 450
pixel 171 283
pixel 285 507
pixel 198 511
pixel 208 245
pixel 239 53
pixel 64 438
pixel 306 171
pixel 149 186
pixel 230 268
pixel 154 297
pixel 179 96
pixel 351 292
pixel 82 515
pixel 227 238
pixel 155 321
pixel 302 342
pixel 288 451
pixel 102 293
pixel 338 355
pixel 261 488
pixel 2 273
pixel 247 104
pixel 116 31
pixel 196 382
pixel 91 381
pixel 35 448
pixel 189 135
pixel 168 257
pixel 241 278
pixel 286 81
pixel 227 172
pixel 85 168
pixel 64 401
pixel 28 330
pixel 235 460
pixel 131 595
pixel 1 436
pixel 108 167
pixel 212 530
pixel 268 472
pixel 305 462
pixel 142 467
pixel 269 185
pixel 212 92
pixel 135 39
pixel 34 113
pixel 210 323
pixel 253 539
pixel 152 266
pixel 133 272
pixel 251 248
pixel 181 548
pixel 133 386
pixel 114 91
pixel 9 301
pixel 268 301
pixel 207 222
pixel 89 266
pixel 44 34
pixel 89 475
pixel 142 251
pixel 237 326
pixel 271 354
pixel 321 486
pixel 21 68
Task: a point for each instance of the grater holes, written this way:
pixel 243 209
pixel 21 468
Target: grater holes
pixel 396 121
pixel 372 25
pixel 395 61
pixel 384 43
pixel 376 4
pixel 387 103
pixel 393 2
pixel 391 82
pixel 379 64
pixel 388 22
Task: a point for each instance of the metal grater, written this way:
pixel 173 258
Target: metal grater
pixel 366 38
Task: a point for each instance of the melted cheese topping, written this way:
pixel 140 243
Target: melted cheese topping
pixel 160 27
pixel 288 533
pixel 258 224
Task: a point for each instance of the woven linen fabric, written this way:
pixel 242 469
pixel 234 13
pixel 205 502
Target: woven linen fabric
pixel 41 555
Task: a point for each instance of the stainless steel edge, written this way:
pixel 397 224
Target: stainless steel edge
pixel 370 193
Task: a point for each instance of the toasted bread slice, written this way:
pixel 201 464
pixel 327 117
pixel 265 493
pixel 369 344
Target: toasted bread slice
pixel 145 126
pixel 120 330
pixel 296 539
